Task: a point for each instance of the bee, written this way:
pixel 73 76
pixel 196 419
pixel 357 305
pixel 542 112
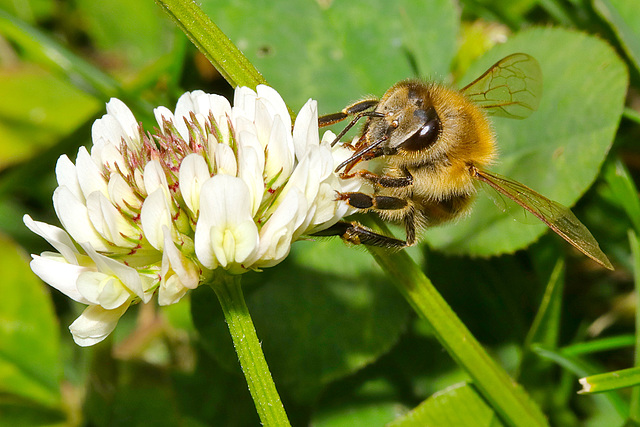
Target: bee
pixel 436 143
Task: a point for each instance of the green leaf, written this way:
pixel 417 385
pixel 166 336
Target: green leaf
pixel 624 18
pixel 546 325
pixel 109 26
pixel 545 330
pixel 38 110
pixel 459 405
pixel 42 49
pixel 624 190
pixel 611 404
pixel 30 366
pixel 29 10
pixel 559 149
pixel 316 326
pixel 358 415
pixel 598 345
pixel 610 381
pixel 340 51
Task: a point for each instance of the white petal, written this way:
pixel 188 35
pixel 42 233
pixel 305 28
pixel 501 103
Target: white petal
pixel 193 172
pixel 243 124
pixel 154 215
pixel 154 178
pixel 247 138
pixel 110 223
pixel 250 170
pixel 75 219
pixel 326 205
pixel 204 248
pixel 225 232
pixel 276 234
pixel 185 106
pixel 211 104
pixel 59 275
pixel 67 175
pixel 163 114
pixel 221 110
pixel 179 274
pixel 305 130
pixel 102 289
pixel 106 130
pixel 226 163
pixel 171 290
pixel 263 123
pixel 110 158
pixel 275 103
pixel 90 176
pixel 57 237
pixel 305 178
pixel 314 167
pixel 236 244
pixel 136 283
pixel 95 324
pixel 180 264
pixel 125 118
pixel 138 179
pixel 224 130
pixel 279 154
pixel 220 107
pixel 244 103
pixel 121 194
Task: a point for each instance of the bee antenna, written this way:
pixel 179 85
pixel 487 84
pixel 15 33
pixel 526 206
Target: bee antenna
pixel 353 122
pixel 358 155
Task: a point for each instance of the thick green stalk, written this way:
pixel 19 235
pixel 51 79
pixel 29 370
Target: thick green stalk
pixel 505 395
pixel 245 340
pixel 213 43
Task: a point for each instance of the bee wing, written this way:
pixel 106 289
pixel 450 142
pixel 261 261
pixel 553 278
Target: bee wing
pixel 512 87
pixel 559 218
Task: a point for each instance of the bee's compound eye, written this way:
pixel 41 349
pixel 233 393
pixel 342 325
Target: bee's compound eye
pixel 427 134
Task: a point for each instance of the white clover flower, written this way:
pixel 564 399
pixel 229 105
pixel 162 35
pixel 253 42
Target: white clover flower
pixel 217 187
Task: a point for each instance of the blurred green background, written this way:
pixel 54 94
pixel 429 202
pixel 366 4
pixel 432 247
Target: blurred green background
pixel 344 347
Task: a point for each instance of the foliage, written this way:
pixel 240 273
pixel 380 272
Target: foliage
pixel 343 346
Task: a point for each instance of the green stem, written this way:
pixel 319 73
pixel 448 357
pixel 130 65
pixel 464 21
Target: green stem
pixel 505 396
pixel 634 405
pixel 213 43
pixel 261 386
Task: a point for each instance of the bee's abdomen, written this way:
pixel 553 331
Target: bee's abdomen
pixel 437 212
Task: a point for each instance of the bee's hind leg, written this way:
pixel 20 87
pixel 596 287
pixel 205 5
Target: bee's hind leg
pixel 358 234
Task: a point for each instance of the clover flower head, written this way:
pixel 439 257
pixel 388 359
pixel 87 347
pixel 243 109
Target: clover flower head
pixel 214 187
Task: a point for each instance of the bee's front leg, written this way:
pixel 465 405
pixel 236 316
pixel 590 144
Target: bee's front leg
pixel 358 110
pixel 384 181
